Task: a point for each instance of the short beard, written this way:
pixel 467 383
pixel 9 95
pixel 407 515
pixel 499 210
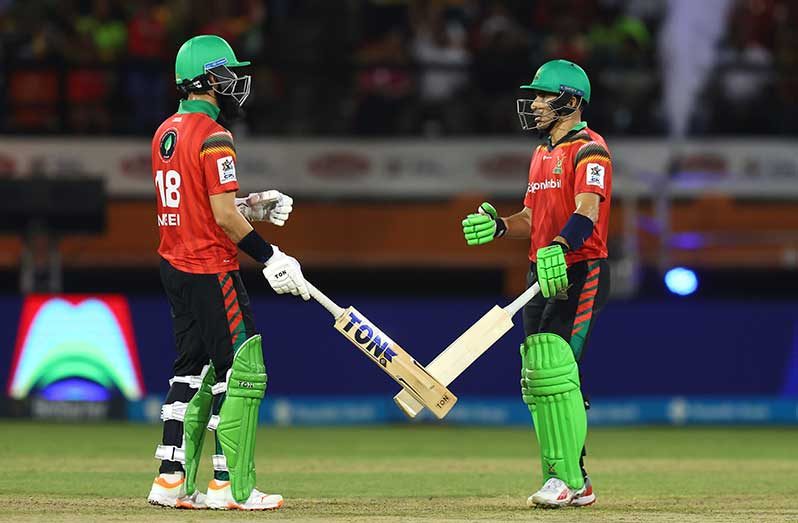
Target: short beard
pixel 229 111
pixel 545 132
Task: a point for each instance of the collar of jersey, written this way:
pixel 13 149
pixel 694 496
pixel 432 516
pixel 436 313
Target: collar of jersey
pixel 198 106
pixel 575 129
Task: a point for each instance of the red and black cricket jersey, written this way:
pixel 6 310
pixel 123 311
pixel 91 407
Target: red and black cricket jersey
pixel 193 157
pixel 578 163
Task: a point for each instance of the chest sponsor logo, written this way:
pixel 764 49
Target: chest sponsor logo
pixel 533 187
pixel 166 147
pixel 227 169
pixel 595 175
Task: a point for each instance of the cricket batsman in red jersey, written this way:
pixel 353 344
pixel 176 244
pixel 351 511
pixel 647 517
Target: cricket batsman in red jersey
pixel 566 216
pixel 219 374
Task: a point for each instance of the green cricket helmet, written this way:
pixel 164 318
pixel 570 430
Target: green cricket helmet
pixel 205 54
pixel 560 77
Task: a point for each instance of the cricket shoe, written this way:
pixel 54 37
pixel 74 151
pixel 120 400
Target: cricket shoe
pixel 220 497
pixel 169 490
pixel 584 496
pixel 555 494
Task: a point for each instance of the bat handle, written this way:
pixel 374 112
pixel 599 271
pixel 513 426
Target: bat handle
pixel 326 302
pixel 518 303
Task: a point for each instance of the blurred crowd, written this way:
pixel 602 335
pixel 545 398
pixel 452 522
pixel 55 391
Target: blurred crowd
pixel 756 88
pixel 382 67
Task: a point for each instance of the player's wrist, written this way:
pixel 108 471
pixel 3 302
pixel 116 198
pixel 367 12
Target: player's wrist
pixel 501 227
pixel 256 247
pixel 577 230
pixel 564 246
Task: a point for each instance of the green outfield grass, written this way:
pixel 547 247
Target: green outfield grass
pixel 70 472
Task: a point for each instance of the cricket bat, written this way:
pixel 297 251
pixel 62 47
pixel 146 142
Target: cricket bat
pixel 472 344
pixel 416 382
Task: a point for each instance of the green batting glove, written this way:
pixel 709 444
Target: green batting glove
pixel 552 271
pixel 483 226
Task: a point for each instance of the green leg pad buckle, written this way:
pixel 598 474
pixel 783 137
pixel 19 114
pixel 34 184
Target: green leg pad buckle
pixel 238 416
pixel 550 387
pixel 195 422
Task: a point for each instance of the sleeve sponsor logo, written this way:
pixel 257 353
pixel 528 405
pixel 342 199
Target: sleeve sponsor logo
pixel 227 169
pixel 594 175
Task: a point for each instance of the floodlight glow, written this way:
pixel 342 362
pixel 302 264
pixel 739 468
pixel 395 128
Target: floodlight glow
pixel 681 281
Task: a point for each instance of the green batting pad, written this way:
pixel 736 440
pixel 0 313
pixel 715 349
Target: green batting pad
pixel 238 417
pixel 195 423
pixel 550 388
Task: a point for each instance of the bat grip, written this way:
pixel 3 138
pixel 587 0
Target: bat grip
pixel 518 303
pixel 326 302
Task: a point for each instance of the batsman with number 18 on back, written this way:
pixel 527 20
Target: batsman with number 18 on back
pixel 219 374
pixel 566 216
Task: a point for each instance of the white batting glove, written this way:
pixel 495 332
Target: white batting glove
pixel 285 275
pixel 272 205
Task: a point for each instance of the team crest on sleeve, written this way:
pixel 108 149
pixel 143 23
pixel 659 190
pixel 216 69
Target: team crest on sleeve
pixel 595 175
pixel 227 169
pixel 166 148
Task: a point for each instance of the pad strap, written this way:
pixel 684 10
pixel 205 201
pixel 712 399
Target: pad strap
pixel 219 388
pixel 219 462
pixel 193 382
pixel 173 411
pixel 170 453
pixel 213 423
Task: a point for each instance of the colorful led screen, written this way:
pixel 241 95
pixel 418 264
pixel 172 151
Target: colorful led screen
pixel 72 347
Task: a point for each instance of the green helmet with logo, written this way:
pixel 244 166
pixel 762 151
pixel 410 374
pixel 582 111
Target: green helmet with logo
pixel 202 53
pixel 210 54
pixel 558 76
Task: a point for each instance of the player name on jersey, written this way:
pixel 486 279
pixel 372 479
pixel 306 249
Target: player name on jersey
pixel 169 219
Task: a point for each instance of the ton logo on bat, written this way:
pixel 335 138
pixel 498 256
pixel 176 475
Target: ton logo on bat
pixel 371 339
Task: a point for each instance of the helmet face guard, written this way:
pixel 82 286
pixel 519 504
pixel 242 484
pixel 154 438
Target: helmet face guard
pixel 557 108
pixel 227 83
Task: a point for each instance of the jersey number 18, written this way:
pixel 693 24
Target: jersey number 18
pixel 168 187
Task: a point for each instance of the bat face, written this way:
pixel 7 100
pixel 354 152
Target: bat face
pixel 366 336
pixel 458 356
pixel 419 384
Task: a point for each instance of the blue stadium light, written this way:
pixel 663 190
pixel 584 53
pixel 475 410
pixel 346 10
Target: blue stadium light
pixel 681 281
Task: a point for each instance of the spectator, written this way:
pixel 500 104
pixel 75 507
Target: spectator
pixel 384 86
pixel 502 63
pixel 439 49
pixel 147 32
pixel 105 29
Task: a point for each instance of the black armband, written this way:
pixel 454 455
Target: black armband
pixel 578 229
pixel 256 247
